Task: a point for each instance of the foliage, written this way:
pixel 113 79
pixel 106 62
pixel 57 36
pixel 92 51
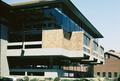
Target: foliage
pixel 48 79
pixel 19 79
pixel 34 79
pixel 65 80
pixel 107 79
pixel 57 79
pixel 26 78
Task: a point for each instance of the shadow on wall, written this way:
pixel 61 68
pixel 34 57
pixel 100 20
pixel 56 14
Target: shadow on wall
pixel 67 35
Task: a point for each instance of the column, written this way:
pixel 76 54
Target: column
pixel 4 70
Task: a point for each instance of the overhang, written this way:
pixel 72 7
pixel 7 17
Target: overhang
pixel 68 8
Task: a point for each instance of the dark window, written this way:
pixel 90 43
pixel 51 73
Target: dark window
pixel 33 37
pixel 33 46
pixel 62 20
pixel 14 47
pixel 115 74
pixel 104 74
pixel 98 73
pixel 26 46
pixel 109 56
pixel 109 74
pixel 36 73
pixel 17 73
pixel 28 35
pixel 14 37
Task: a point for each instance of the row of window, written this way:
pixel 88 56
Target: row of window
pixel 86 49
pixel 26 46
pixel 95 45
pixel 107 74
pixel 62 20
pixel 28 73
pixel 86 40
pixel 18 37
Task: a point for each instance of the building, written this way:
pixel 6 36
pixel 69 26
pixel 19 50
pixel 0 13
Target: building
pixel 111 68
pixel 47 38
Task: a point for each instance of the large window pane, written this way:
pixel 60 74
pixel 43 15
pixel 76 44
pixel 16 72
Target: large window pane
pixel 86 40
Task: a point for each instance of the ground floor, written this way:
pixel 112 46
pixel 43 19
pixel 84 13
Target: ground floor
pixel 46 66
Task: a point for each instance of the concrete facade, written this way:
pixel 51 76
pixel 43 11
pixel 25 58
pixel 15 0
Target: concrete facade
pixel 4 69
pixel 42 41
pixel 57 38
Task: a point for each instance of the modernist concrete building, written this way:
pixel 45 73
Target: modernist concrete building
pixel 47 38
pixel 111 68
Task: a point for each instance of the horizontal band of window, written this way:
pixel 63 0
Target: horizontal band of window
pixel 26 46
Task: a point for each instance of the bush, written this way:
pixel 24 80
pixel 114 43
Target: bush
pixel 65 80
pixel 57 79
pixel 19 79
pixel 26 78
pixel 34 79
pixel 48 79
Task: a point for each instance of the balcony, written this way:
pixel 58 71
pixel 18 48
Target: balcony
pixel 25 43
pixel 33 49
pixel 93 52
pixel 44 52
pixel 54 43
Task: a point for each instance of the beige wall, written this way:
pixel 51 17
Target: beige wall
pixel 75 41
pixel 56 38
pixel 52 38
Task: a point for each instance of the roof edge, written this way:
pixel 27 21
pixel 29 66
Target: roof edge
pixel 95 33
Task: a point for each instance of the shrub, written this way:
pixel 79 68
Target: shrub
pixel 34 79
pixel 57 79
pixel 26 78
pixel 19 79
pixel 48 79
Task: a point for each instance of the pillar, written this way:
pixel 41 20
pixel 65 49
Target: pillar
pixel 4 70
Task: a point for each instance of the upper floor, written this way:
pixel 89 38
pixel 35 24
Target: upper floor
pixel 52 25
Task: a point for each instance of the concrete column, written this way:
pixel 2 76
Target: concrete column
pixel 4 70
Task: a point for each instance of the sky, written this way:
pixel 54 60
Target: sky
pixel 104 15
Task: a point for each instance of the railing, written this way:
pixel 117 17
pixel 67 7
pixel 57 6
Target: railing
pixel 25 43
pixel 95 53
pixel 86 49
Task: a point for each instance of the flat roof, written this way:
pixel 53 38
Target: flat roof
pixel 68 8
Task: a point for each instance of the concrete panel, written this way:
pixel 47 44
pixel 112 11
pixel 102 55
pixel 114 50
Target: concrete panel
pixel 52 38
pixel 4 70
pixel 75 41
pixel 57 38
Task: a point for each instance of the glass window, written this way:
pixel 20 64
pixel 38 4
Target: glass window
pixel 86 40
pixel 104 74
pixel 86 50
pixel 109 74
pixel 95 46
pixel 98 73
pixel 62 20
pixel 115 74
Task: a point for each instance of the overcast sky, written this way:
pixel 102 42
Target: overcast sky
pixel 104 15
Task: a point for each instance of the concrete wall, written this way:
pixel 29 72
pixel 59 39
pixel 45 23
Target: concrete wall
pixel 73 41
pixel 57 38
pixel 52 38
pixel 4 70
